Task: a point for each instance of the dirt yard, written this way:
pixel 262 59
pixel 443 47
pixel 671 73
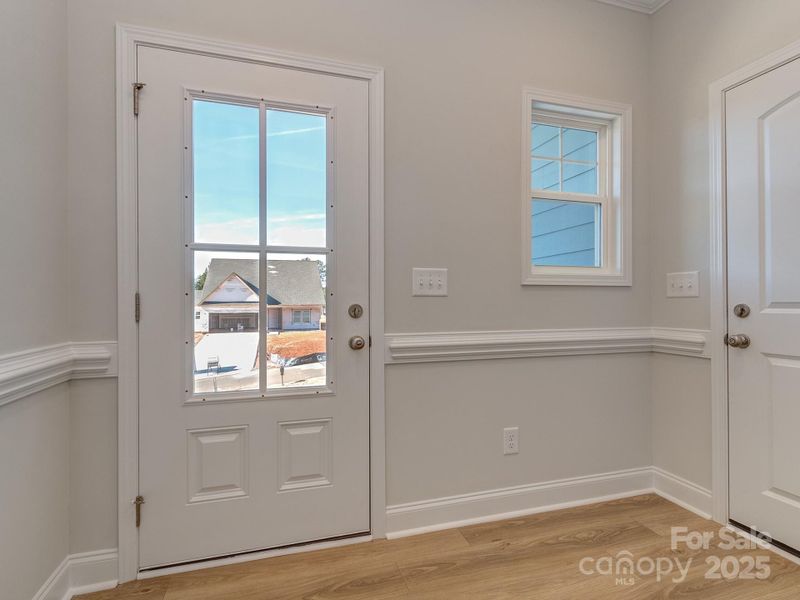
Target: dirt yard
pixel 291 344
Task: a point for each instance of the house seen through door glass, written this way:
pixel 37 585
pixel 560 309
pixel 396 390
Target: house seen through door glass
pixel 259 249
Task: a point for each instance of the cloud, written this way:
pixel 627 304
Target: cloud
pixel 297 236
pixel 292 230
pixel 295 218
pixel 294 131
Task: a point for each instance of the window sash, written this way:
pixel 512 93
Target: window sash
pixel 599 233
pixel 603 164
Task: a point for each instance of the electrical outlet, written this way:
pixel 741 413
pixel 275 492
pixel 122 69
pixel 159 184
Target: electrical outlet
pixel 683 285
pixel 428 282
pixel 511 440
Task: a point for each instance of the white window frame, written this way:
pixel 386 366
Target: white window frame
pixel 613 122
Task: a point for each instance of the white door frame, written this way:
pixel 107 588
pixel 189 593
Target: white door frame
pixel 128 38
pixel 718 269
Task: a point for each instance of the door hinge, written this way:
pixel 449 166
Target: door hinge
pixel 137 307
pixel 138 503
pixel 137 87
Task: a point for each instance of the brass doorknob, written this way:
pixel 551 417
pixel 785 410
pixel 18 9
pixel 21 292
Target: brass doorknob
pixel 738 340
pixel 357 342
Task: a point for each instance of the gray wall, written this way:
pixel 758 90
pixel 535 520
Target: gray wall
pixel 34 432
pixel 694 42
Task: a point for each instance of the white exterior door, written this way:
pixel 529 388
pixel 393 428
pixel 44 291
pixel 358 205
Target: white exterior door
pixel 763 204
pixel 253 199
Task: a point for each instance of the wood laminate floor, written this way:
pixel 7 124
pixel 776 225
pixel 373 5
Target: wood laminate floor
pixel 535 557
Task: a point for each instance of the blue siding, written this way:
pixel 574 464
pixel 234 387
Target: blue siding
pixel 563 233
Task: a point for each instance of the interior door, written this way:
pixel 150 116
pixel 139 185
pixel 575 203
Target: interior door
pixel 763 203
pixel 253 196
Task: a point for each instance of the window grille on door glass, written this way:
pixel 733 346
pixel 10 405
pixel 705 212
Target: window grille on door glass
pixel 259 243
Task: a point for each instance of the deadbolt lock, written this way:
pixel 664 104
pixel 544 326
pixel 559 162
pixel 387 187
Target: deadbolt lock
pixel 355 311
pixel 741 310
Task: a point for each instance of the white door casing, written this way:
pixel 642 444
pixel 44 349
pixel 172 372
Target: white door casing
pixel 222 476
pixel 763 187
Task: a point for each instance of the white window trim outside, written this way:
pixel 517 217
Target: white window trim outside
pixel 614 186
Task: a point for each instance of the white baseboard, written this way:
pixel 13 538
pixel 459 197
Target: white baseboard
pixel 81 574
pixel 682 492
pixel 505 503
pixel 493 505
pixel 57 585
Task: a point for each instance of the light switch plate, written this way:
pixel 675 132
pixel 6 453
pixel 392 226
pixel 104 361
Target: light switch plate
pixel 428 282
pixel 683 285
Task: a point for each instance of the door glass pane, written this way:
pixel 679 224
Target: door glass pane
pixel 296 178
pixel 565 234
pixel 225 316
pixel 225 172
pixel 297 320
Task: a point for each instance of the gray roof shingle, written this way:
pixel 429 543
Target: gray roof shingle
pixel 289 282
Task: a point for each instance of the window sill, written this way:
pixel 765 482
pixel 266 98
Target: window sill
pixel 611 279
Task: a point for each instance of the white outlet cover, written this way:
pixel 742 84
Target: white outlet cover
pixel 511 440
pixel 428 282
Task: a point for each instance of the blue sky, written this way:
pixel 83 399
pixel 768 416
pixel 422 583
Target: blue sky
pixel 226 185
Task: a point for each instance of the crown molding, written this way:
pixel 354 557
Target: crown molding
pixel 648 7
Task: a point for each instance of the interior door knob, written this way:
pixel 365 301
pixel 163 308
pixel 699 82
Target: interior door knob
pixel 357 342
pixel 738 340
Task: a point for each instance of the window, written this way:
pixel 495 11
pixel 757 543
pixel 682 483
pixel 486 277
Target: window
pixel 301 316
pixel 576 222
pixel 197 314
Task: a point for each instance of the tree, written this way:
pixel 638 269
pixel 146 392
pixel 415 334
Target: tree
pixel 201 280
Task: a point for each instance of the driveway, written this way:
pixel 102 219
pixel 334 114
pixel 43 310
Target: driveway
pixel 236 352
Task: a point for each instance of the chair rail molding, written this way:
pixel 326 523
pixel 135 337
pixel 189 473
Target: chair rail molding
pixel 483 345
pixel 29 371
pixel 648 7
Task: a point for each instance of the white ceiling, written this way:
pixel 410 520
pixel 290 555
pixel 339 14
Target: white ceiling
pixel 645 6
